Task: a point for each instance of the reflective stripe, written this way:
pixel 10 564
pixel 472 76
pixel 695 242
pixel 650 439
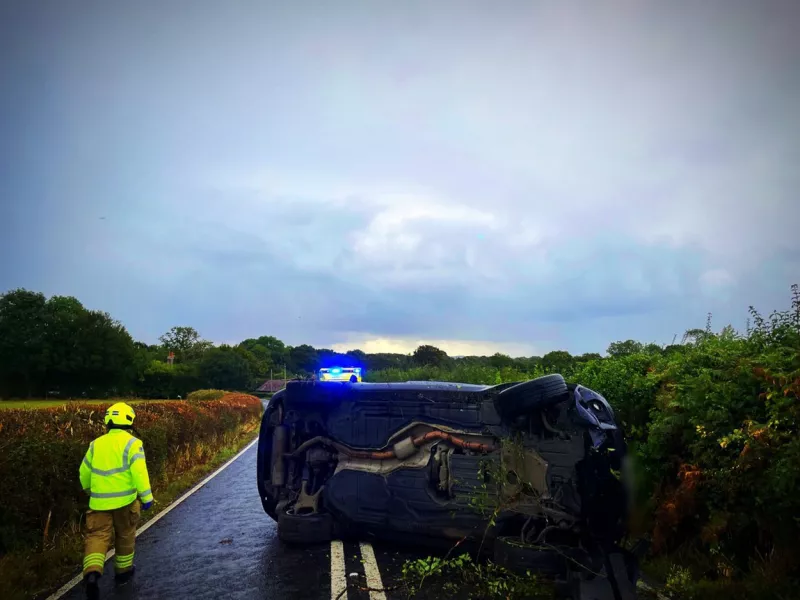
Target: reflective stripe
pixel 94 555
pixel 147 492
pixel 109 472
pixel 136 457
pixel 125 465
pixel 95 559
pixel 86 462
pixel 113 494
pixel 123 561
pixel 126 451
pixel 95 562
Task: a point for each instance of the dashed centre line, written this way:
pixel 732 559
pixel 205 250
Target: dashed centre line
pixel 372 572
pixel 338 575
pixel 339 572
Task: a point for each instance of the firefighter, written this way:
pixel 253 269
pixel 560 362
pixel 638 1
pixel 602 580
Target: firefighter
pixel 114 474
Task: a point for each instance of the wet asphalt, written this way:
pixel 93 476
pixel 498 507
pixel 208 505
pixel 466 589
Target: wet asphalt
pixel 220 543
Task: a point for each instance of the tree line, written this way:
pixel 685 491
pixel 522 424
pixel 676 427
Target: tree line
pixel 56 346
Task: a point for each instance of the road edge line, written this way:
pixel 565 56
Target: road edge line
pixel 372 572
pixel 338 571
pixel 78 578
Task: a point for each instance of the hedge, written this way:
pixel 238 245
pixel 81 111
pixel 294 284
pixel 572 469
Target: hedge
pixel 41 451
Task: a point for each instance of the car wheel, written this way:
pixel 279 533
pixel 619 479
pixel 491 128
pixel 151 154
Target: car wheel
pixel 515 556
pixel 305 529
pixel 532 395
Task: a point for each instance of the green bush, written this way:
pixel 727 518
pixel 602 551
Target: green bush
pixel 206 395
pixel 460 577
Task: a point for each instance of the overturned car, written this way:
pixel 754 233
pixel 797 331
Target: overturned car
pixel 528 470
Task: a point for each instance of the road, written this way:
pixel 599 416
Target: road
pixel 219 543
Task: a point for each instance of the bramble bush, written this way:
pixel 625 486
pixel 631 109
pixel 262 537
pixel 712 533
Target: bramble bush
pixel 713 426
pixel 41 450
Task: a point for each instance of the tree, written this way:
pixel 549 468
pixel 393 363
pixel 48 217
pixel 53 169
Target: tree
pixel 501 361
pixel 274 348
pixel 387 360
pixel 65 356
pixel 105 356
pixel 358 358
pixel 625 348
pixel 303 359
pixel 57 344
pixel 262 357
pixel 23 328
pixel 225 368
pixel 528 364
pixel 185 342
pixel 429 355
pixel 257 367
pixel 557 361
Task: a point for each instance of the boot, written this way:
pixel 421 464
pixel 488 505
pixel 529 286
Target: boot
pixel 92 584
pixel 123 578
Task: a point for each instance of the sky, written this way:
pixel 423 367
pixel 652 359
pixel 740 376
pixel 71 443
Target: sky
pixel 513 177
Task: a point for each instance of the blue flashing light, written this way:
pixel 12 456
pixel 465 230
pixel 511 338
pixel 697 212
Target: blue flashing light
pixel 336 370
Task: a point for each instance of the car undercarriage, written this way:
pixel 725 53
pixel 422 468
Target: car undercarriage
pixel 530 470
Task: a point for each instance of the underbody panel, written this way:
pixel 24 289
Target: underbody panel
pixel 423 458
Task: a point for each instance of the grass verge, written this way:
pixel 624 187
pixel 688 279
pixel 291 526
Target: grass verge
pixel 37 404
pixel 27 575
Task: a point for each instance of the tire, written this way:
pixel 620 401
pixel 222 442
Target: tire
pixel 266 491
pixel 519 558
pixel 306 529
pixel 262 461
pixel 531 396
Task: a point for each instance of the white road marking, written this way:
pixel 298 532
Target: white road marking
pixel 79 578
pixel 338 578
pixel 372 572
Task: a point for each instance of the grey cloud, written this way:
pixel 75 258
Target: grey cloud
pixel 526 172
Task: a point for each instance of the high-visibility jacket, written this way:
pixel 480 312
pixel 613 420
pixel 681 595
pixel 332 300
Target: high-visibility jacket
pixel 114 471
